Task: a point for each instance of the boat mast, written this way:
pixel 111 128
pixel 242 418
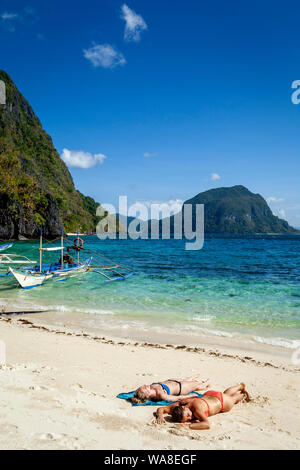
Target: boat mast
pixel 62 248
pixel 41 247
pixel 78 248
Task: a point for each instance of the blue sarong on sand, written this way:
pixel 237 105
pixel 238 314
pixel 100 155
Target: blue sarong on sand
pixel 129 395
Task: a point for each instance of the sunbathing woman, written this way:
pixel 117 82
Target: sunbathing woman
pixel 169 390
pixel 197 410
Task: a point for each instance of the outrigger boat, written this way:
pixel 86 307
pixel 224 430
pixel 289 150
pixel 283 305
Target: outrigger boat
pixel 28 278
pixel 66 267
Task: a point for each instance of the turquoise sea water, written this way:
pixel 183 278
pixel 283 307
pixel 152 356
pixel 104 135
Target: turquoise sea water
pixel 232 286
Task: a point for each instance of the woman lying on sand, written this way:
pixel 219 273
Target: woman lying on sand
pixel 199 409
pixel 169 390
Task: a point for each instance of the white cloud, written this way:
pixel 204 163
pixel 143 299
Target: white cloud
pixel 167 208
pixel 286 209
pixel 9 21
pixel 282 214
pixel 143 208
pixel 274 199
pixel 170 202
pixel 80 159
pixel 278 211
pixel 135 24
pixel 150 155
pixel 9 16
pixel 24 17
pixel 215 177
pixel 104 55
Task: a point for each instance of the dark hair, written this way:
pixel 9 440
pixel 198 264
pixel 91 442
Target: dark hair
pixel 139 397
pixel 177 413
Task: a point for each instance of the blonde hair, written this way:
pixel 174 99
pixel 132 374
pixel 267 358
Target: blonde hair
pixel 139 397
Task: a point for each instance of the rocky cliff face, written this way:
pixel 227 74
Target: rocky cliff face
pixel 14 223
pixel 35 185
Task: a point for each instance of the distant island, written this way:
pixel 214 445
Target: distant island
pixel 231 211
pixel 237 210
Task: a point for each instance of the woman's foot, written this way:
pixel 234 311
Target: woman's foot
pixel 244 391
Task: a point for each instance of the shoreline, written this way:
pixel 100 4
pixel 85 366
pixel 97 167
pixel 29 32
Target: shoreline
pixel 274 358
pixel 234 343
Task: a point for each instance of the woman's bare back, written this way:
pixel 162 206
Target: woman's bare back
pixel 209 406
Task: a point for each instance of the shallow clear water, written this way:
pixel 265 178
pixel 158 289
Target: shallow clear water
pixel 232 286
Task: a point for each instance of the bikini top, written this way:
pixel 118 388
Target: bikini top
pixel 210 393
pixel 165 387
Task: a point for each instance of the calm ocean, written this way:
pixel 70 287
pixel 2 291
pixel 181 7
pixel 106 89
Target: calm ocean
pixel 239 287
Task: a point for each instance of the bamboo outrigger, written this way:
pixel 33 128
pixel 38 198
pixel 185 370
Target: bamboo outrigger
pixel 11 259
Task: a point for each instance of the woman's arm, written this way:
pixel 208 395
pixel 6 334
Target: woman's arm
pixel 200 425
pixel 164 410
pixel 203 422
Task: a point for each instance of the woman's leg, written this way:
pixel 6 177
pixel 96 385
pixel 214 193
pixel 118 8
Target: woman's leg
pixel 234 395
pixel 230 400
pixel 188 386
pixel 235 389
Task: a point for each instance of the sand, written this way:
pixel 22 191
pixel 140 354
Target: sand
pixel 58 391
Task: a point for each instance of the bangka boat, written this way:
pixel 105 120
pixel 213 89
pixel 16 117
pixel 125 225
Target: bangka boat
pixel 31 278
pixel 66 267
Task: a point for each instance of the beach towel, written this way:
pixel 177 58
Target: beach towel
pixel 129 395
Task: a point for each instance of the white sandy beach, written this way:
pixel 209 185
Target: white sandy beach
pixel 58 391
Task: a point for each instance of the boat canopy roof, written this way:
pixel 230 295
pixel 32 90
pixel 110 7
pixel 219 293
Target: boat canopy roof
pixel 56 248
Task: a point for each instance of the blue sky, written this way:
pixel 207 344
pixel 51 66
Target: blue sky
pixel 161 100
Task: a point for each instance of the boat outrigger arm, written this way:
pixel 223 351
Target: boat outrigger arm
pixel 5 247
pixel 12 259
pixel 116 269
pixel 9 258
pixel 111 271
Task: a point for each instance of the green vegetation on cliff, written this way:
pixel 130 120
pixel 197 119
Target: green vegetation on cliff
pixel 35 184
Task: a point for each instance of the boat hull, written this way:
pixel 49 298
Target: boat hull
pixel 29 279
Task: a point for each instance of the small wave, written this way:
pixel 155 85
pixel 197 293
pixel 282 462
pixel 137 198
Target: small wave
pixel 285 343
pixel 17 305
pixel 194 329
pixel 224 334
pixel 205 318
pixel 64 308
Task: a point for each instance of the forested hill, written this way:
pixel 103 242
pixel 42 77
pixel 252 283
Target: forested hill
pixel 237 210
pixel 36 187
